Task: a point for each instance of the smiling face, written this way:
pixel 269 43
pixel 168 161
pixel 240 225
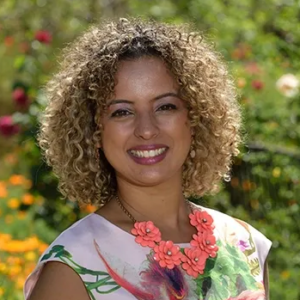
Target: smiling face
pixel 146 131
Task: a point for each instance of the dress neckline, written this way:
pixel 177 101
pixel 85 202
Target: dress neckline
pixel 125 233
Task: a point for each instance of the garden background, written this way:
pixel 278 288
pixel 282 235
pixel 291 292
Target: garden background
pixel 261 42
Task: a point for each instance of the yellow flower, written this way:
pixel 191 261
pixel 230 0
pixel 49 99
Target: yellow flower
pixel 3 268
pixel 4 237
pixel 14 270
pixel 30 256
pixel 20 282
pixel 285 274
pixel 27 199
pixel 276 172
pixel 13 203
pixel 1 291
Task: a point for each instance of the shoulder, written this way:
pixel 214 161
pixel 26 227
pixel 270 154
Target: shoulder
pixel 58 281
pixel 71 251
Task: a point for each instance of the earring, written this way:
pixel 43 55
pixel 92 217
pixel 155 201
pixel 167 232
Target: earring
pixel 192 152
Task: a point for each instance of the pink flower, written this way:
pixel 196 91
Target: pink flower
pixel 257 84
pixel 7 126
pixel 194 261
pixel 147 234
pixel 206 241
pixel 167 254
pixel 43 36
pixel 243 245
pixel 20 97
pixel 201 220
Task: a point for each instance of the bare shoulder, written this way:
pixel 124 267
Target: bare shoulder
pixel 58 281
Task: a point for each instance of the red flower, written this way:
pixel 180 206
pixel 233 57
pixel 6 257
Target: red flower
pixel 257 84
pixel 167 254
pixel 147 234
pixel 206 241
pixel 8 41
pixel 194 261
pixel 201 220
pixel 43 36
pixel 7 126
pixel 20 97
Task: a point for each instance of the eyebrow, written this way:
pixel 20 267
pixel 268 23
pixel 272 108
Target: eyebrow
pixel 117 101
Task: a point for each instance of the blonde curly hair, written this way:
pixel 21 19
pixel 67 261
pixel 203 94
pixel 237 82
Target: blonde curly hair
pixel 77 95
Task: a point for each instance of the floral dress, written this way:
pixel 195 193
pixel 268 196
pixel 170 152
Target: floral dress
pixel 113 266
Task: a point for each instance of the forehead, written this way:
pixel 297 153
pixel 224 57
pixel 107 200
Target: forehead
pixel 144 76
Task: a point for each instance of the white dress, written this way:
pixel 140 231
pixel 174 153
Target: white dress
pixel 113 266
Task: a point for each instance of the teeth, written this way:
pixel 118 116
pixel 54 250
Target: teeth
pixel 151 153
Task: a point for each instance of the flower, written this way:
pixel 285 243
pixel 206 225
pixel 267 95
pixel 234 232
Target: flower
pixel 27 199
pixel 147 234
pixel 13 203
pixel 206 241
pixel 201 220
pixel 167 254
pixel 20 97
pixel 43 36
pixel 7 126
pixel 252 68
pixel 257 84
pixel 288 85
pixel 194 261
pixel 242 245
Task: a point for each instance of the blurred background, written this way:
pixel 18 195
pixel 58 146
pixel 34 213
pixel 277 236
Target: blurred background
pixel 261 42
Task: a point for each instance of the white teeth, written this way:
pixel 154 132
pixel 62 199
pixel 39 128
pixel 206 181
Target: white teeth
pixel 151 153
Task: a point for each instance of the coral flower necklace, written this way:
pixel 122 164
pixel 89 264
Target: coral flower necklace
pixel 167 254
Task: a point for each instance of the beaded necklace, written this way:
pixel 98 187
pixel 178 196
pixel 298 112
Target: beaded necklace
pixel 192 259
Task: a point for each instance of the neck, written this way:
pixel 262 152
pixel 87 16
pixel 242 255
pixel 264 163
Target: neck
pixel 164 205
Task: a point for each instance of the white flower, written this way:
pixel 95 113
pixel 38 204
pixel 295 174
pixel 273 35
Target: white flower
pixel 288 85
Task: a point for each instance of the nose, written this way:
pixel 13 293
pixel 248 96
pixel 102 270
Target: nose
pixel 146 127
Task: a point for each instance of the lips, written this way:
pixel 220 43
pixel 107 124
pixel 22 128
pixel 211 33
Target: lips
pixel 148 154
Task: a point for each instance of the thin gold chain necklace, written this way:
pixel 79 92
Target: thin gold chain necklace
pixel 125 210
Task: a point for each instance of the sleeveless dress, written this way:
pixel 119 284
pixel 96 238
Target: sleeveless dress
pixel 113 266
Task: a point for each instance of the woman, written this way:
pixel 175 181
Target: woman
pixel 140 117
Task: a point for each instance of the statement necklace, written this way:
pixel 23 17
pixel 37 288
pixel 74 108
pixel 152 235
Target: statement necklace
pixel 167 254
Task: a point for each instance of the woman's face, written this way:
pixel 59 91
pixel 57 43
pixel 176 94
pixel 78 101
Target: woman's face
pixel 146 131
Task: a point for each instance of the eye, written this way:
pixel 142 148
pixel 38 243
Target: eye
pixel 167 107
pixel 120 113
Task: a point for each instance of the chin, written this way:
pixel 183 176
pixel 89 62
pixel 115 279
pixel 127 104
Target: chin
pixel 151 178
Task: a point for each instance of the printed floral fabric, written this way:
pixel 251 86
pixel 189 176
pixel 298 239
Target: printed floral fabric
pixel 113 266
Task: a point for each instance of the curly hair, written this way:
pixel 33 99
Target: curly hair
pixel 77 97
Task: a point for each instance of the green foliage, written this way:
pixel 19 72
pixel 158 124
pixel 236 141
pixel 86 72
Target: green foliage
pixel 259 39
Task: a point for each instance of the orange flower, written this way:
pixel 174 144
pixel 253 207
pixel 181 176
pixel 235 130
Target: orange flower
pixel 3 190
pixel 147 234
pixel 16 179
pixel 167 254
pixel 206 241
pixel 28 199
pixel 194 261
pixel 201 220
pixel 89 208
